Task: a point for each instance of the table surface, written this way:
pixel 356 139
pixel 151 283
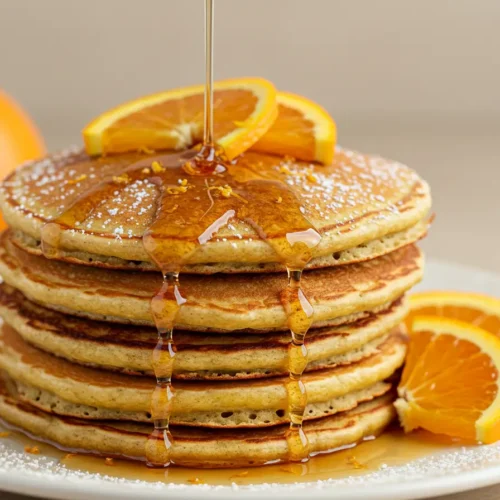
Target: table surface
pixel 464 175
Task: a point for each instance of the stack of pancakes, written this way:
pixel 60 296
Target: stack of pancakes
pixel 78 335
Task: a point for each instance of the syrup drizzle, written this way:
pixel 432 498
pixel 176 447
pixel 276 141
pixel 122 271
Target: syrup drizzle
pixel 191 209
pixel 168 301
pixel 199 192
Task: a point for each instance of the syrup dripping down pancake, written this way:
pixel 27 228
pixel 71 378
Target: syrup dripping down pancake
pixel 356 200
pixel 196 403
pixel 241 419
pixel 223 302
pixel 128 348
pixel 196 447
pixel 366 251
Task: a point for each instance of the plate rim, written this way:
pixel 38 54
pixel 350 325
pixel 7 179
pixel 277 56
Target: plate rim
pixel 62 488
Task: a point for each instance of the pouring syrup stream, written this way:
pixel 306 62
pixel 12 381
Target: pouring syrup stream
pixel 166 303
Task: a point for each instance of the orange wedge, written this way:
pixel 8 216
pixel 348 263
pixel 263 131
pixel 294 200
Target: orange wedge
pixel 450 382
pixel 303 130
pixel 244 109
pixel 479 310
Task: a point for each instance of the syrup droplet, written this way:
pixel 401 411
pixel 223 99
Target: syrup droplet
pixel 165 307
pixel 352 460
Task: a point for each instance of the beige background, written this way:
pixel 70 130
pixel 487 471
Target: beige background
pixel 415 80
pixel 418 81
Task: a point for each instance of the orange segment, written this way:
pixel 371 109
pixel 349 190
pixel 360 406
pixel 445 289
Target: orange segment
pixel 450 382
pixel 479 310
pixel 303 130
pixel 244 109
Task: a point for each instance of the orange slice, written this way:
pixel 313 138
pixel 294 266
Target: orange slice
pixel 303 130
pixel 450 382
pixel 244 109
pixel 479 310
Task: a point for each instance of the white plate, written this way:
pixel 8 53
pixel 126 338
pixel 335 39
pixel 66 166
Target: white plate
pixel 458 469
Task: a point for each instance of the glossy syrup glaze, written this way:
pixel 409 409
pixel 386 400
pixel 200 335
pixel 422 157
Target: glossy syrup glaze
pixel 198 194
pixel 182 222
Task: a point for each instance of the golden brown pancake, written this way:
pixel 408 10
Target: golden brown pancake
pixel 220 303
pixel 360 253
pixel 199 356
pixel 213 404
pixel 51 403
pixel 197 447
pixel 84 229
pixel 356 200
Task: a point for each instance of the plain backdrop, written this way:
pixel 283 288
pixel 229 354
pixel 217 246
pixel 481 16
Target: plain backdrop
pixel 414 80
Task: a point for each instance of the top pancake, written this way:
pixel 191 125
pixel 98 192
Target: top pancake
pixel 354 201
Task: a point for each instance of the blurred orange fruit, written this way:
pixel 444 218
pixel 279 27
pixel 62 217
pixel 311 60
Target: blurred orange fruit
pixel 244 109
pixel 19 138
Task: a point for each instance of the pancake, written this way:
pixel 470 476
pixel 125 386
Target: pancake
pixel 52 403
pixel 197 447
pixel 223 302
pixel 365 251
pixel 199 356
pixel 214 404
pixel 356 200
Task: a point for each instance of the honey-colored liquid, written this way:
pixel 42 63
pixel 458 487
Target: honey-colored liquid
pixel 199 193
pixel 393 448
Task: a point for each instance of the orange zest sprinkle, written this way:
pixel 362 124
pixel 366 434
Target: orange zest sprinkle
pixel 196 480
pixel 352 460
pixel 172 210
pixel 33 450
pixel 177 189
pixel 227 191
pixel 157 167
pixel 311 177
pixel 121 179
pixel 78 179
pixel 189 168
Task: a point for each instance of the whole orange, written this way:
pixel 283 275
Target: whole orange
pixel 20 140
